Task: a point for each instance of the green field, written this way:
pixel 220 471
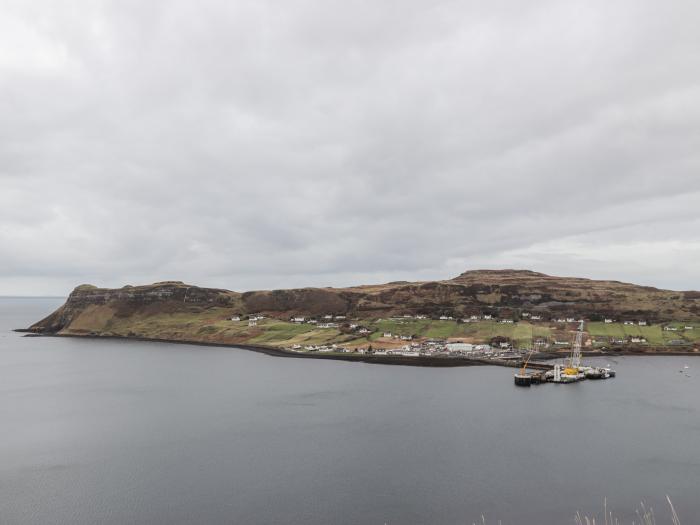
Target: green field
pixel 213 324
pixel 477 332
pixel 480 332
pixel 654 334
pixel 402 327
pixel 276 331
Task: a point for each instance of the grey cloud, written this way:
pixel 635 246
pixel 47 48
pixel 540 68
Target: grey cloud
pixel 262 144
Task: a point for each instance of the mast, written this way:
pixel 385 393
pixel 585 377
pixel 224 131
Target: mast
pixel 576 352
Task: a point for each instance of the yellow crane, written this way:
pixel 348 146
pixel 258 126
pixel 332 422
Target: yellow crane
pixel 522 378
pixel 527 360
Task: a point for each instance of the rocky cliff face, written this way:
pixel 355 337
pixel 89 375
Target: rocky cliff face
pixel 134 300
pixel 502 292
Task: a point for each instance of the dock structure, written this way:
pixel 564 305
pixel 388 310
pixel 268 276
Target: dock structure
pixel 572 372
pixel 523 379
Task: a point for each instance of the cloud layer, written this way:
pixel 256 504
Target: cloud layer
pixel 254 144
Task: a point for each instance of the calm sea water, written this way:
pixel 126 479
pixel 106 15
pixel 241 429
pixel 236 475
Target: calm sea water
pixel 114 432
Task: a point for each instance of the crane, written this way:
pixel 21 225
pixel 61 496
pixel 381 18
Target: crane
pixel 522 378
pixel 527 360
pixel 575 359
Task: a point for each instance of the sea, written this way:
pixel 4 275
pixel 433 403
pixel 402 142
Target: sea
pixel 118 432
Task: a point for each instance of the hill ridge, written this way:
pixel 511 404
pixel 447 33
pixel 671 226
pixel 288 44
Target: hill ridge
pixel 502 293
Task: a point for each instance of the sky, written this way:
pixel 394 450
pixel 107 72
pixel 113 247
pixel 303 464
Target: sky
pixel 272 144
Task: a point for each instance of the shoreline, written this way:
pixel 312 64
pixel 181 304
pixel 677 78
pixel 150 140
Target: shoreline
pixel 431 362
pixel 422 361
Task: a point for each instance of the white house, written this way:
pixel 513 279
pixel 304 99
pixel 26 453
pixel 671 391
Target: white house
pixel 536 317
pixel 327 325
pixel 236 318
pixel 387 334
pixel 252 322
pixel 339 317
pixel 445 318
pixel 363 330
pixel 688 328
pixel 670 328
pixel 629 322
pixel 609 321
pixel 297 319
pixel 487 317
pixel 329 317
pixel 642 323
pixel 406 337
pixel 459 347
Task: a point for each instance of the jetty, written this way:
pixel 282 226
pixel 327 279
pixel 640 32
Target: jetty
pixel 572 372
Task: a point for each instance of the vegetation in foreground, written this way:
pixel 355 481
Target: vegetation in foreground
pixel 645 516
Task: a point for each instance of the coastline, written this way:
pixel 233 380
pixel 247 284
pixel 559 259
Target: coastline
pixel 422 361
pixel 434 362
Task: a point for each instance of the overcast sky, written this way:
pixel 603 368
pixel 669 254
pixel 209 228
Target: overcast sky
pixel 258 144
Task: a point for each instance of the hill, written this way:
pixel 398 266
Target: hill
pixel 502 293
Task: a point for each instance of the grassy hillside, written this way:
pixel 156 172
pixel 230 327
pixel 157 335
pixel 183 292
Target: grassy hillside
pixel 213 324
pixel 174 310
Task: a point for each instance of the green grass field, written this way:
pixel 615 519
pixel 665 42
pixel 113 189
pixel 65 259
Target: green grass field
pixel 477 332
pixel 278 331
pixel 654 334
pixel 213 324
pixel 407 327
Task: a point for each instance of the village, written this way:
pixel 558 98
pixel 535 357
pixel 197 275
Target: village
pixel 432 348
pixel 482 336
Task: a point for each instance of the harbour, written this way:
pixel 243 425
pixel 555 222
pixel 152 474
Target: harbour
pixel 571 372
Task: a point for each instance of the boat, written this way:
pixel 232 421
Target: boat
pixel 594 373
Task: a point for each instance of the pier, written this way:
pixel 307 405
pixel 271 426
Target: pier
pixel 558 373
